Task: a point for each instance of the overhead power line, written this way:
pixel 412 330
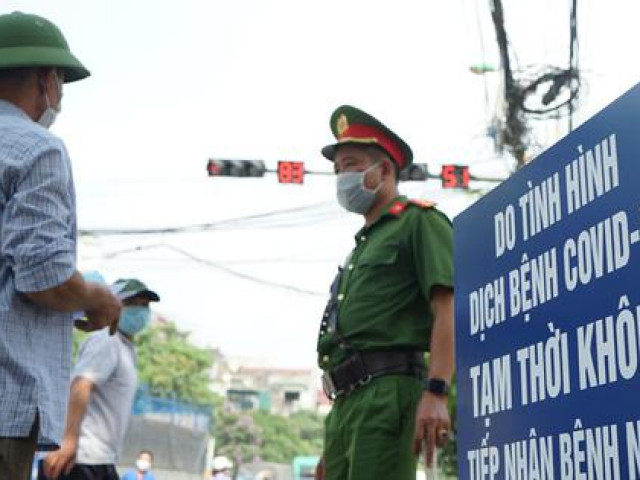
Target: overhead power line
pixel 551 91
pixel 282 218
pixel 216 266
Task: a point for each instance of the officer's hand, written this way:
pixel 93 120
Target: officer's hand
pixel 104 310
pixel 320 471
pixel 432 425
pixel 61 460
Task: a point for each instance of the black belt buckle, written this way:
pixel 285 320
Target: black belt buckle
pixel 329 386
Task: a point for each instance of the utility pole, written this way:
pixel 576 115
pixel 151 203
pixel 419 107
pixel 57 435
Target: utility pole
pixel 515 127
pixel 522 97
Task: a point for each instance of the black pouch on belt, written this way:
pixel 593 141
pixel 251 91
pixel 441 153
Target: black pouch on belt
pixel 362 366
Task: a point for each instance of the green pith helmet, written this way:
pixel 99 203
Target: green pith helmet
pixel 31 41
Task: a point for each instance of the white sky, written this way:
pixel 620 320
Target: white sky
pixel 177 82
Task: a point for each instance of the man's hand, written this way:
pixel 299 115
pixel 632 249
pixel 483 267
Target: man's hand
pixel 104 310
pixel 432 425
pixel 61 461
pixel 320 470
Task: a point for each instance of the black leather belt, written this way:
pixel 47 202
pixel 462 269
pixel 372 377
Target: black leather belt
pixel 363 366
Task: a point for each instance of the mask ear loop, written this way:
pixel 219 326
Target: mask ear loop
pixel 42 84
pixel 60 85
pixel 364 174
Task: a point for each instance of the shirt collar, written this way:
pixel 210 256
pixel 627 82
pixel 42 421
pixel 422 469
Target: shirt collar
pixel 8 108
pixel 124 339
pixel 391 210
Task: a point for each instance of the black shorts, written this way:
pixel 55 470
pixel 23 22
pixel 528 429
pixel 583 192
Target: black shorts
pixel 85 472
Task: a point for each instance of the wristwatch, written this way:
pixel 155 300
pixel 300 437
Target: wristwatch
pixel 436 386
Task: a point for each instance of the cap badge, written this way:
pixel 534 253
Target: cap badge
pixel 342 124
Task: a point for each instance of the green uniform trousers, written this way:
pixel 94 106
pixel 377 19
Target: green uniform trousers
pixel 369 434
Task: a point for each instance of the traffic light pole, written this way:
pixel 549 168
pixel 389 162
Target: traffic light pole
pixel 451 175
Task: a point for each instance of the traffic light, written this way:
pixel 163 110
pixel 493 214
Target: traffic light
pixel 455 176
pixel 235 168
pixel 416 172
pixel 291 172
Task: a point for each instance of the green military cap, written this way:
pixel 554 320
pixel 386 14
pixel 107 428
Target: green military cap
pixel 352 125
pixel 125 288
pixel 28 40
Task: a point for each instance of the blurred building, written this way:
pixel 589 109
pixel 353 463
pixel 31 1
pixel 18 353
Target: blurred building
pixel 276 390
pixel 247 385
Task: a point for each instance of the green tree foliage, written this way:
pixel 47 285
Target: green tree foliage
pixel 237 436
pixel 284 438
pixel 311 428
pixel 249 436
pixel 172 367
pixel 78 337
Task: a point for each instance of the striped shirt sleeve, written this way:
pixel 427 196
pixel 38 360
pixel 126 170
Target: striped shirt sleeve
pixel 37 238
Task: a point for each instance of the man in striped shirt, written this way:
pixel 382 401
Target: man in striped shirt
pixel 40 288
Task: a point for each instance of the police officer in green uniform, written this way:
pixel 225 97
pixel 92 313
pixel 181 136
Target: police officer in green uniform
pixel 391 301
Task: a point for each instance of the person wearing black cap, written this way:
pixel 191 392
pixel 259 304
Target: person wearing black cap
pixel 102 393
pixel 391 301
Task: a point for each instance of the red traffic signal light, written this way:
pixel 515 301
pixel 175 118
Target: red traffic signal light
pixel 455 176
pixel 416 172
pixel 235 168
pixel 291 172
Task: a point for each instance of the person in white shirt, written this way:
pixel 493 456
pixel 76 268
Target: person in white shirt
pixel 102 394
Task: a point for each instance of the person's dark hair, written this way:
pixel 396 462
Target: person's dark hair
pixel 148 452
pixel 16 76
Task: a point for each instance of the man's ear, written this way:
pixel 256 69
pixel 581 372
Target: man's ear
pixel 387 168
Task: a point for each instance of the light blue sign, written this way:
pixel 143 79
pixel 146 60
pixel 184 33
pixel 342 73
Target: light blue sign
pixel 548 312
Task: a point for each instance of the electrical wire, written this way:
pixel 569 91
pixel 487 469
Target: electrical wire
pixel 573 51
pixel 284 218
pixel 216 266
pixel 518 93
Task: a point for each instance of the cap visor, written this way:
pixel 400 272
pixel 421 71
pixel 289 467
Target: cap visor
pixel 35 57
pixel 153 296
pixel 329 151
pixel 148 294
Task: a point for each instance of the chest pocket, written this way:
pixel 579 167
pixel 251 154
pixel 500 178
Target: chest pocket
pixel 376 274
pixel 379 258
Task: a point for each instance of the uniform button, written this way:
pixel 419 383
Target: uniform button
pixel 351 266
pixel 324 324
pixel 341 296
pixel 329 329
pixel 363 238
pixel 325 359
pixel 326 315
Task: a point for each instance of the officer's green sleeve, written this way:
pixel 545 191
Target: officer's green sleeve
pixel 432 247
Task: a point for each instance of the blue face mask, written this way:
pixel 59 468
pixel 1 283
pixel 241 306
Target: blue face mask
pixel 133 319
pixel 353 196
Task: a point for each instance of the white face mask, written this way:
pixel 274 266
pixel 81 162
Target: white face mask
pixel 352 194
pixel 143 465
pixel 50 114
